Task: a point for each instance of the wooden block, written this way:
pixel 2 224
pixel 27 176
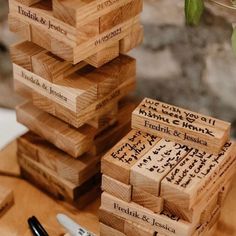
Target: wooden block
pixel 107 231
pixel 98 108
pixel 147 200
pixel 48 180
pixel 40 37
pixel 135 213
pixel 104 56
pixel 148 172
pixel 133 40
pixel 52 68
pixel 111 220
pixel 207 213
pixel 193 129
pixel 205 228
pixel 73 92
pixel 22 90
pixel 196 178
pixel 77 13
pixel 127 227
pixel 21 28
pixel 73 141
pixel 122 14
pixel 224 192
pixel 21 54
pixel 76 171
pixel 116 188
pixel 6 199
pixel 126 153
pixel 133 229
pixel 73 44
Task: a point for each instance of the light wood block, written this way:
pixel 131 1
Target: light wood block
pixel 73 44
pixel 76 171
pixel 107 231
pixel 196 179
pixel 180 125
pixel 135 213
pixel 127 227
pixel 21 28
pixel 133 40
pixel 96 109
pixel 116 188
pixel 147 200
pixel 77 13
pixel 224 192
pixel 148 172
pixel 6 199
pixel 21 54
pixel 49 181
pixel 125 154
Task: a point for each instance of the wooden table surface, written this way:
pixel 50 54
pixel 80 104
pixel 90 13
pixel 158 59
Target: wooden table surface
pixel 31 201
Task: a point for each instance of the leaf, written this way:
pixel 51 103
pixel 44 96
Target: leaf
pixel 193 11
pixel 233 40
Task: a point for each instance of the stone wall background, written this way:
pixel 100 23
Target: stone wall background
pixel 190 67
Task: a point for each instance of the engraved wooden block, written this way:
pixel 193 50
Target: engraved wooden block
pixel 147 200
pixel 20 27
pixel 77 171
pixel 62 189
pixel 196 178
pixel 148 172
pixel 126 153
pixel 177 124
pixel 6 199
pixel 77 13
pixel 77 90
pixel 116 188
pixel 224 192
pixel 73 44
pixel 162 223
pixel 127 227
pixel 96 109
pixel 21 54
pixel 107 231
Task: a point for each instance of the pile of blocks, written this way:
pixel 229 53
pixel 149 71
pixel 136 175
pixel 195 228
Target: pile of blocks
pixel 75 76
pixel 169 175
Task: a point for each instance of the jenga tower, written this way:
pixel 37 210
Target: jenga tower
pixel 177 168
pixel 73 70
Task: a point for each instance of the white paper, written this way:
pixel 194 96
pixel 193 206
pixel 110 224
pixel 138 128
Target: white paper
pixel 10 129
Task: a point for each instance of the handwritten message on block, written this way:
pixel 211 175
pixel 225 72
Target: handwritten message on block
pixel 148 172
pixel 118 162
pixel 181 125
pixel 195 175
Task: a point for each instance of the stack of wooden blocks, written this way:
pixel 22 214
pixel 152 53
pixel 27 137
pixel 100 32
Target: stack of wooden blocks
pixel 169 175
pixel 73 70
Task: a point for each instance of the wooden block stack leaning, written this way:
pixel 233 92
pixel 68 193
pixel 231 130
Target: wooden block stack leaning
pixel 72 69
pixel 169 175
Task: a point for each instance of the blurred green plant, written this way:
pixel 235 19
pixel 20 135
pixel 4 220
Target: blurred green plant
pixel 195 8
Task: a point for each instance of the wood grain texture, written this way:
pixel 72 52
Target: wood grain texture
pixel 116 188
pixel 73 44
pixel 76 171
pixel 177 124
pixel 125 154
pixel 6 199
pixel 49 207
